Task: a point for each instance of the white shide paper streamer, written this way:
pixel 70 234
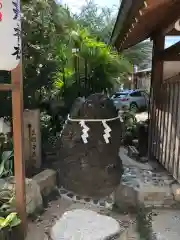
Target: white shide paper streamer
pixel 85 128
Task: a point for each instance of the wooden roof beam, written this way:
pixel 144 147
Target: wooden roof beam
pixel 173 16
pixel 129 25
pixel 173 32
pixel 152 5
pixel 173 29
pixel 146 8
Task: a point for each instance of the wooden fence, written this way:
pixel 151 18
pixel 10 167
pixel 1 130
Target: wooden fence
pixel 164 137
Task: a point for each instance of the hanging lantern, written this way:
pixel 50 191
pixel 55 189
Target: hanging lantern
pixel 10 34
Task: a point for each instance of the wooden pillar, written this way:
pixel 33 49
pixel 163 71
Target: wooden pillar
pixel 17 113
pixel 156 81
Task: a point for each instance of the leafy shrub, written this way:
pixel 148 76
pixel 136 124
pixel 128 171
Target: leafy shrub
pixel 130 126
pixel 8 217
pixel 6 202
pixel 10 221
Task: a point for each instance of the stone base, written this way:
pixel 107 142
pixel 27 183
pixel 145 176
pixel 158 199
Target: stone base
pixel 106 202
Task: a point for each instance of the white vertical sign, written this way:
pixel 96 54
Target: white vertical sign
pixel 10 34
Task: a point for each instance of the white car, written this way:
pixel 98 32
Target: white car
pixel 131 99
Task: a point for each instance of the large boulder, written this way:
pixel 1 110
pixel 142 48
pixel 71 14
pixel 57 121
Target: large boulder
pixel 94 168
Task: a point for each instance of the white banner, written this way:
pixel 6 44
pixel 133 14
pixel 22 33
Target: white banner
pixel 10 34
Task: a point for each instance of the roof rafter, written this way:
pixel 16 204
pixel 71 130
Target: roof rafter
pixel 146 20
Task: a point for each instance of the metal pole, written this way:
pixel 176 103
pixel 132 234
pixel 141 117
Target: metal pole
pixel 18 135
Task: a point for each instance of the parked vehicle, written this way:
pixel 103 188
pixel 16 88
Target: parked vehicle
pixel 131 99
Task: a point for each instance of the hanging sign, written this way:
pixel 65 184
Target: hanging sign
pixel 10 34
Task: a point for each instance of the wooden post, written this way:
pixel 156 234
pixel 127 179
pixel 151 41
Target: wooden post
pixel 156 80
pixel 19 168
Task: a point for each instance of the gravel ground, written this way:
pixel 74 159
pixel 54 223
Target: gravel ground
pixel 38 229
pixel 165 223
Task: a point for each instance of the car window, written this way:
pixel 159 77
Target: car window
pixel 136 94
pixel 119 95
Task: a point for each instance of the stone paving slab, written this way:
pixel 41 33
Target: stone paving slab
pixel 85 224
pixel 126 221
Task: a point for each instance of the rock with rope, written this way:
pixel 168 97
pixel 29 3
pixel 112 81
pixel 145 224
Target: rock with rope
pixel 88 149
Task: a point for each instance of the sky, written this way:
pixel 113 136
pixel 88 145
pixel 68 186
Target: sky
pixel 171 40
pixel 74 5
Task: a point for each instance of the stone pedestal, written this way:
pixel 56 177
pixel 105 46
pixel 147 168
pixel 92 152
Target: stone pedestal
pixel 32 139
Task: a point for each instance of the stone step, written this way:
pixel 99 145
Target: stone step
pixel 132 151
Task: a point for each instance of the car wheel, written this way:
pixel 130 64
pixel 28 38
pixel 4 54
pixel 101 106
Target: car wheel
pixel 134 107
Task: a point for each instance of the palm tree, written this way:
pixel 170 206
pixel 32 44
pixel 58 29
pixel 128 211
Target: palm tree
pixel 100 22
pixel 98 63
